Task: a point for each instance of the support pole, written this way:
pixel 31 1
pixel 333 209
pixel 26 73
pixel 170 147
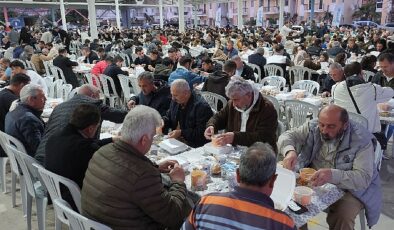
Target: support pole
pixel 181 15
pixel 281 13
pixel 63 15
pixel 239 14
pixel 161 14
pixel 53 17
pixel 117 12
pixel 312 9
pixel 7 23
pixel 194 9
pixel 92 19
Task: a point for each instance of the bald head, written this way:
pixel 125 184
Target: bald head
pixel 333 120
pixel 334 110
pixel 90 91
pixel 180 91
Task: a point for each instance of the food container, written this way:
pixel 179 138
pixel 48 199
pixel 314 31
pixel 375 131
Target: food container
pixel 303 195
pixel 306 175
pixel 198 180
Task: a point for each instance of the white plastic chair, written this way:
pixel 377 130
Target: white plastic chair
pixel 74 220
pixel 298 73
pixel 3 179
pixel 12 141
pixel 55 90
pixel 368 75
pixel 47 66
pixel 65 91
pixel 52 182
pixel 310 86
pixel 3 163
pixel 49 82
pixel 34 188
pixel 256 67
pixel 276 104
pixel 30 65
pixel 278 81
pixel 126 89
pixel 284 187
pixel 297 112
pixel 273 70
pixel 113 98
pixel 126 59
pixel 213 100
pixel 134 83
pixel 58 73
pixel 360 119
pixel 72 93
pixel 95 81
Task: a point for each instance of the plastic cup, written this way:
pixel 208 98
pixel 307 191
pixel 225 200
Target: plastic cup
pixel 303 195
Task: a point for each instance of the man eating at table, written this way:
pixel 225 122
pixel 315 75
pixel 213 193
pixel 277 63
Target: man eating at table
pixel 123 188
pixel 248 117
pixel 249 206
pixel 342 152
pixel 187 115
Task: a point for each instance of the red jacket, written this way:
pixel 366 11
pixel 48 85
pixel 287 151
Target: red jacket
pixel 99 68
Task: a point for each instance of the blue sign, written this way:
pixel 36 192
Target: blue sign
pixel 17 23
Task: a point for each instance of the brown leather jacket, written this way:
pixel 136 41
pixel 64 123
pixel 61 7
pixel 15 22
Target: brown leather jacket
pixel 261 126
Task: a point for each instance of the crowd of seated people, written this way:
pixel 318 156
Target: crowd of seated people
pixel 177 67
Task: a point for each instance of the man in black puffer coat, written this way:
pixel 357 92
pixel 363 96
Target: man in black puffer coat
pixel 61 115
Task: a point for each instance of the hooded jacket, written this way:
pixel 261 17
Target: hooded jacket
pixel 216 83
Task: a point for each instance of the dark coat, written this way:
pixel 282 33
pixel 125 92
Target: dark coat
pixel 113 71
pixel 332 52
pixel 192 119
pixel 261 125
pixel 91 58
pixel 314 50
pixel 66 65
pixel 258 60
pixel 25 124
pixel 123 189
pixel 61 115
pixel 216 83
pixel 380 79
pixel 159 99
pixel 248 73
pixel 146 60
pixel 69 153
pixel 6 99
pixel 162 72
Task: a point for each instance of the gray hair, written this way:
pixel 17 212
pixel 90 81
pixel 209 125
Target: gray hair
pixel 257 165
pixel 180 84
pixel 336 65
pixel 236 57
pixel 146 76
pixel 260 50
pixel 238 85
pixel 29 90
pixel 141 120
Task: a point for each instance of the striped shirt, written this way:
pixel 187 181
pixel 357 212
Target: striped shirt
pixel 240 209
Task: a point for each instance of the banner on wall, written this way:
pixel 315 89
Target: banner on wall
pixel 338 12
pixel 259 18
pixel 218 18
